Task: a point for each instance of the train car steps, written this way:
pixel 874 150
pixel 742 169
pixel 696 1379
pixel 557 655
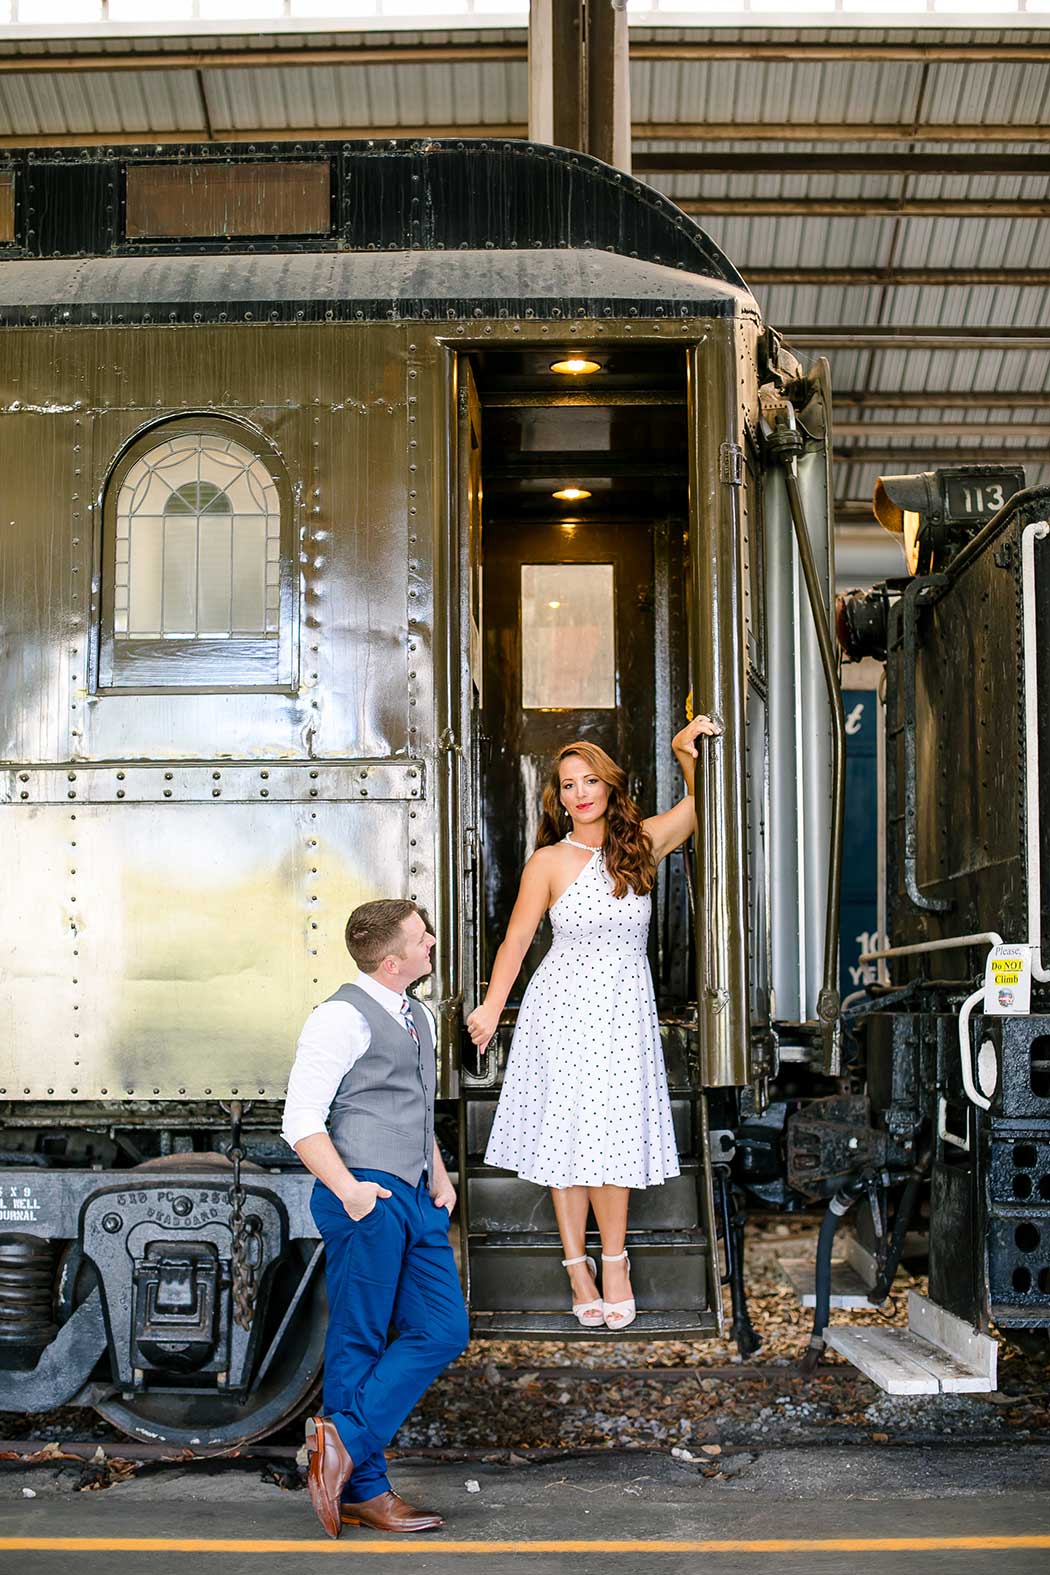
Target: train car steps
pixel 518 1287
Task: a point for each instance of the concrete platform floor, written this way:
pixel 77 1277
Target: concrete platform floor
pixel 823 1510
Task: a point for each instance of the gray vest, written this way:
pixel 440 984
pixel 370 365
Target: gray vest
pixel 382 1116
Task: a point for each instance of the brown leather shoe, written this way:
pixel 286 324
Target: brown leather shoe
pixel 389 1512
pixel 328 1472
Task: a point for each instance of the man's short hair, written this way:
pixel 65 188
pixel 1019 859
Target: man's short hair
pixel 373 931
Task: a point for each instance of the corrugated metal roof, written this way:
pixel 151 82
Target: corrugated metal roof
pixel 794 92
pixel 323 97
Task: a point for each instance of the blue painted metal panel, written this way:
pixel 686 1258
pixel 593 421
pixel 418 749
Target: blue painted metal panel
pixel 860 872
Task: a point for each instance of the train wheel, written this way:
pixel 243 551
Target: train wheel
pixel 209 1424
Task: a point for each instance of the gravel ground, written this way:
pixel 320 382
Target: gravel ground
pixel 502 1397
pixel 505 1396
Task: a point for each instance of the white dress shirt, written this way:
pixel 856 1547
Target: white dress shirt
pixel 334 1036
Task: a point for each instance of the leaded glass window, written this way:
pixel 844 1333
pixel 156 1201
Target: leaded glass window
pixel 198 541
pixel 198 584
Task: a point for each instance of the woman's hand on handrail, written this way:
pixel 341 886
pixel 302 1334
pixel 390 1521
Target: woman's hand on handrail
pixel 684 741
pixel 482 1024
pixel 670 829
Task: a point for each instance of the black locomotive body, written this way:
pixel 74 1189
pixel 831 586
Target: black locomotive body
pixel 954 1059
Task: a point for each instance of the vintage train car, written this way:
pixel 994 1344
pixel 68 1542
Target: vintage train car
pixel 296 444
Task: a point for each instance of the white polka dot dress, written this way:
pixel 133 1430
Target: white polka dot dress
pixel 584 1101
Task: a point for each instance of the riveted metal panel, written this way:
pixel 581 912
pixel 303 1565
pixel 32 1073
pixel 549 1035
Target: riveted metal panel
pixel 233 782
pixel 170 951
pixel 188 925
pixel 44 577
pixel 470 195
pixel 334 404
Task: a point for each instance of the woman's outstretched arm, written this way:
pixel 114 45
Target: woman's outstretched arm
pixel 532 903
pixel 669 830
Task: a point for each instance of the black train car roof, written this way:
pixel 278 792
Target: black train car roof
pixel 532 231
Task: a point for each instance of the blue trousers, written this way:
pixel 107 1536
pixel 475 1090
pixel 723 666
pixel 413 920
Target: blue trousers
pixel 396 1267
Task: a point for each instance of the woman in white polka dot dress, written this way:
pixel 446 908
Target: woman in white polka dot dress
pixel 584 1108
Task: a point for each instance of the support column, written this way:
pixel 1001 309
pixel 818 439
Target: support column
pixel 608 83
pixel 579 77
pixel 541 70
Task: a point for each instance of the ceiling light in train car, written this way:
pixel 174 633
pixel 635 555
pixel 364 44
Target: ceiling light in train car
pixel 571 494
pixel 936 512
pixel 576 366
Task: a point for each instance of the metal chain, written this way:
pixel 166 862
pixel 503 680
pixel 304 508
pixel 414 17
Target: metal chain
pixel 245 1254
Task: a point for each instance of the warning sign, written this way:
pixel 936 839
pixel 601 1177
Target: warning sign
pixel 1008 981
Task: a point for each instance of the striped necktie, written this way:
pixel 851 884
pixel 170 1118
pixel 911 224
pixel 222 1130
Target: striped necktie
pixel 406 1013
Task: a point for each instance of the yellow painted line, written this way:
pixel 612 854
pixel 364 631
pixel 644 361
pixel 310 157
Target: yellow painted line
pixel 352 1544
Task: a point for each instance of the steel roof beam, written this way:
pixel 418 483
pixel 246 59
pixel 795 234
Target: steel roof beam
pixel 225 59
pixel 940 277
pixel 884 162
pixel 652 131
pixel 966 429
pixel 425 53
pixel 859 207
pixel 916 456
pixel 235 137
pixel 839 131
pixel 933 54
pixel 927 399
pixel 866 337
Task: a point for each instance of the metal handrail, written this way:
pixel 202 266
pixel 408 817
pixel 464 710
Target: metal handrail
pixel 982 938
pixel 1038 530
pixel 910 607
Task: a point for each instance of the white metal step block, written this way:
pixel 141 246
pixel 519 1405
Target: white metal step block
pixel 975 1352
pixel 848 1288
pixel 882 1355
pixel 937 1354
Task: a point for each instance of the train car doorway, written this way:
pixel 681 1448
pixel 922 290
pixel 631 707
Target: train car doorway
pixel 574 575
pixel 568 653
pixel 577 501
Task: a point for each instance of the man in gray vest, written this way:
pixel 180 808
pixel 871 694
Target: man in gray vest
pixel 360 1116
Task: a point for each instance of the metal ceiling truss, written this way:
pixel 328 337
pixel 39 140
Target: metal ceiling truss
pixel 425 52
pixel 887 150
pixel 645 131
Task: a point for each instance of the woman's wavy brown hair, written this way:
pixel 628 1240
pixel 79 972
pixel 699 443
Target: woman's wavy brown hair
pixel 628 848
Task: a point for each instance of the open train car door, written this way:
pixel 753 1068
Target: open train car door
pixel 583 637
pixel 470 577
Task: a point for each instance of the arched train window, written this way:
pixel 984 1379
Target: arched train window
pixel 197 568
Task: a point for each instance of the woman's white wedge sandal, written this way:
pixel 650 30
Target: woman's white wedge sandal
pixel 617 1315
pixel 590 1314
